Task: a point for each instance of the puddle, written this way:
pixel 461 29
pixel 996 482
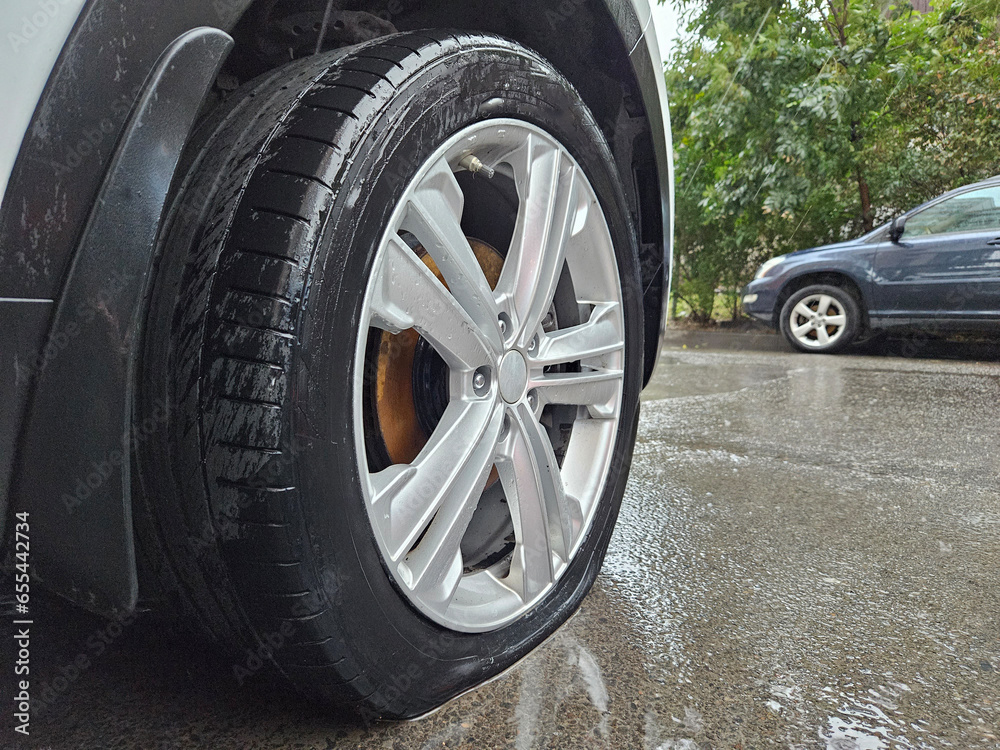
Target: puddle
pixel 677 379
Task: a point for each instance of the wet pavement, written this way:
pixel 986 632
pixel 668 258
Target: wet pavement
pixel 808 555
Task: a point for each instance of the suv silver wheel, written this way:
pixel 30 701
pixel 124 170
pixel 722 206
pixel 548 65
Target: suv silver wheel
pixel 476 528
pixel 817 321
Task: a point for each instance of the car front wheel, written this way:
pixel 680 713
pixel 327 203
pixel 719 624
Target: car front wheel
pixel 398 327
pixel 821 319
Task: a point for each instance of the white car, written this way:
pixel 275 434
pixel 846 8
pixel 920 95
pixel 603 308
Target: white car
pixel 325 323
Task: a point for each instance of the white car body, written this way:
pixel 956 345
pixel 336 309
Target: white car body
pixel 33 34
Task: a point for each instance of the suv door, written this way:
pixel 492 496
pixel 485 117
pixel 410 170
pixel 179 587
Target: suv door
pixel 946 266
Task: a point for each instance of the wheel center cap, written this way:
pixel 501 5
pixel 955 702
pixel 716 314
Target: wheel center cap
pixel 513 376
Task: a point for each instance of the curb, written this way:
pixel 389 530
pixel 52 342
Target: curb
pixel 757 341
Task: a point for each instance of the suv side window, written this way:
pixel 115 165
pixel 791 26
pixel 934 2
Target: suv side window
pixel 975 211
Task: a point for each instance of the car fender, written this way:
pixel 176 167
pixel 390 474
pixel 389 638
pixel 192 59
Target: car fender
pixel 75 452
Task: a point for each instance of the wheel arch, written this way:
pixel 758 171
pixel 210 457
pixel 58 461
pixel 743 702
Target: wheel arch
pixel 595 44
pixel 830 277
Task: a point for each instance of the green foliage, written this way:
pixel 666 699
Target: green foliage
pixel 802 122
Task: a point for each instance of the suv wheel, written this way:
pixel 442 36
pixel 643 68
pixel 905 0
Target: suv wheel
pixel 398 329
pixel 821 319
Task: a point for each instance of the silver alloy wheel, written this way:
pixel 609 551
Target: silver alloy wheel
pixel 817 321
pixel 506 364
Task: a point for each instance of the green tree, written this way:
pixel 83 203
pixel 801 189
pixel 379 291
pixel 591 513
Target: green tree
pixel 802 122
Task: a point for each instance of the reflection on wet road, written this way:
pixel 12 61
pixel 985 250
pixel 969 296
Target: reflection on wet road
pixel 807 556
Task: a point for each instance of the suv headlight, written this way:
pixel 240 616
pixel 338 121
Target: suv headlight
pixel 768 265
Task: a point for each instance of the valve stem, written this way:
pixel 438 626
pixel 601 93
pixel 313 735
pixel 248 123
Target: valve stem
pixel 475 166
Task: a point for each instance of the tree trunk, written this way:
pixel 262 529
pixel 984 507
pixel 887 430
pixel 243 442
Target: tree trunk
pixel 867 219
pixel 675 283
pixel 864 193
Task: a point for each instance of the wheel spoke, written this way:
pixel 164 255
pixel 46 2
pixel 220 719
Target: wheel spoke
pixel 549 213
pixel 596 389
pixel 406 497
pixel 824 304
pixel 836 320
pixel 434 217
pixel 434 567
pixel 598 336
pixel 802 330
pixel 539 508
pixel 802 310
pixel 821 335
pixel 408 295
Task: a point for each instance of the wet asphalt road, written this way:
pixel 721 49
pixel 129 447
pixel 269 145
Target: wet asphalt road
pixel 808 555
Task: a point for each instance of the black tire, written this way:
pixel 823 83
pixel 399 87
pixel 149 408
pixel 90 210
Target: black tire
pixel 845 303
pixel 252 483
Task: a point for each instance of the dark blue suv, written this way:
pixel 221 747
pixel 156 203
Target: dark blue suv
pixel 937 266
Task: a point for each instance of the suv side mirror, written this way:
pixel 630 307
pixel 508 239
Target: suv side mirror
pixel 897 228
